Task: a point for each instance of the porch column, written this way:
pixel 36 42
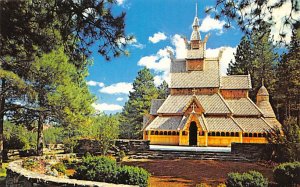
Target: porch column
pixel 149 133
pixel 206 138
pixel 241 137
pixel 180 137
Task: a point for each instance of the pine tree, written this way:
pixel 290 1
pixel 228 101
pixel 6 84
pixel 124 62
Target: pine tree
pixel 256 56
pixel 163 90
pixel 138 104
pixel 288 81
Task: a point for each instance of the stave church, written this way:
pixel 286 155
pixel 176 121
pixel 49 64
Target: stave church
pixel 205 108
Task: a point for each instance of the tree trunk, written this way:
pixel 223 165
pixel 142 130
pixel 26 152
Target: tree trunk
pixel 40 136
pixel 2 105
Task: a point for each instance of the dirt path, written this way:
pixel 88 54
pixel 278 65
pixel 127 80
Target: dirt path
pixel 177 173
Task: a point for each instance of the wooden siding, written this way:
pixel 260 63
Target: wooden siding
pixel 189 91
pixel 234 94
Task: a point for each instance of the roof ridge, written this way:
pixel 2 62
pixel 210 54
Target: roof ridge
pixel 225 103
pixel 255 106
pixel 234 75
pixel 237 124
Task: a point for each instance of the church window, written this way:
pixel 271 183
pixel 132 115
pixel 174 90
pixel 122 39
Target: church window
pixel 264 134
pixel 156 132
pixel 218 134
pixel 227 134
pixel 246 134
pixel 213 134
pixel 184 133
pixel 222 133
pixel 232 134
pixel 177 133
pixel 259 134
pixel 250 134
pixel 173 132
pixel 161 133
pixel 255 135
pixel 165 133
pixel 169 132
pixel 237 134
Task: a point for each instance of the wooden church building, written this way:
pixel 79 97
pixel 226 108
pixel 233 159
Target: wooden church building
pixel 205 108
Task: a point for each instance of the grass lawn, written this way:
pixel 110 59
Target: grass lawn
pixel 178 173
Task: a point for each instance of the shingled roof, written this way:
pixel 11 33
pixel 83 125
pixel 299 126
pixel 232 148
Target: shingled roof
pixel 212 104
pixel 167 123
pixel 208 78
pixel 155 104
pixel 249 124
pixel 266 109
pixel 222 124
pixel 243 107
pixel 236 82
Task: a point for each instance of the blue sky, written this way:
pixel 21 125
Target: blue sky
pixel 157 25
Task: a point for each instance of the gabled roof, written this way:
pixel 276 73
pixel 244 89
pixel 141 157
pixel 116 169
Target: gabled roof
pixel 235 82
pixel 208 78
pixel 274 123
pixel 193 100
pixel 222 124
pixel 167 123
pixel 155 104
pixel 212 104
pixel 253 124
pixel 243 107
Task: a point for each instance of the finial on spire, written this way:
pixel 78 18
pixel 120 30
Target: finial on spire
pixel 196 9
pixel 262 82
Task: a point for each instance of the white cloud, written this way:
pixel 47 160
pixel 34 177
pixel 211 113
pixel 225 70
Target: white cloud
pixel 118 88
pixel 179 44
pixel 106 107
pixel 95 83
pixel 157 37
pixel 227 55
pixel 209 24
pixel 120 2
pixel 120 99
pixel 133 42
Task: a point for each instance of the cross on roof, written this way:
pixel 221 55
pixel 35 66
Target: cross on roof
pixel 194 91
pixel 193 107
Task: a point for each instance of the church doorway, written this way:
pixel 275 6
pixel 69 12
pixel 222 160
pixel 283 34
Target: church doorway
pixel 193 133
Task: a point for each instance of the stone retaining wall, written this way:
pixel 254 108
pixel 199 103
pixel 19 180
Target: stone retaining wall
pixel 128 146
pixel 252 151
pixel 20 177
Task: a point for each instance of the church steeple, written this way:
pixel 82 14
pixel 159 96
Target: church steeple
pixel 195 34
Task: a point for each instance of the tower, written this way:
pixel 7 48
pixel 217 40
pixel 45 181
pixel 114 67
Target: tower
pixel 262 101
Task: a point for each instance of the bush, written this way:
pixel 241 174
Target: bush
pixel 105 169
pixel 132 175
pixel 287 174
pixel 249 179
pixel 60 167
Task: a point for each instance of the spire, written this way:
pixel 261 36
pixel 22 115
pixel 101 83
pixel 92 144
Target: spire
pixel 195 34
pixel 262 82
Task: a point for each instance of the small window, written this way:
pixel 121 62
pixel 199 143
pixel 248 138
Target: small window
pixel 222 133
pixel 177 133
pixel 250 134
pixel 264 134
pixel 169 132
pixel 255 134
pixel 156 132
pixel 227 134
pixel 232 134
pixel 165 133
pixel 259 135
pixel 237 134
pixel 183 132
pixel 213 134
pixel 246 134
pixel 161 133
pixel 173 133
pixel 218 134
pixel 146 132
pixel 209 134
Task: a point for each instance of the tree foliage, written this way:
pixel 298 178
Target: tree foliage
pixel 163 90
pixel 138 104
pixel 255 56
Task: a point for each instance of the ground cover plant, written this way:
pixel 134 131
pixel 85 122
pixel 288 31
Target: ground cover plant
pixel 287 174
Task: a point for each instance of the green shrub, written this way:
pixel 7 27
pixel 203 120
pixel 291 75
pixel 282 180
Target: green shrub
pixel 95 168
pixel 132 175
pixel 60 167
pixel 105 169
pixel 287 174
pixel 249 179
pixel 29 163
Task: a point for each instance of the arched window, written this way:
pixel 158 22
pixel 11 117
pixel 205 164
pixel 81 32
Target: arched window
pixel 161 133
pixel 213 134
pixel 255 134
pixel 165 133
pixel 173 132
pixel 146 132
pixel 237 134
pixel 156 132
pixel 152 132
pixel 227 134
pixel 250 134
pixel 169 132
pixel 218 134
pixel 246 134
pixel 232 134
pixel 259 135
pixel 177 133
pixel 222 133
pixel 264 134
pixel 183 133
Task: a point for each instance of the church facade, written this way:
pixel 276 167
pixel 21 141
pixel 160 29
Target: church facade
pixel 205 108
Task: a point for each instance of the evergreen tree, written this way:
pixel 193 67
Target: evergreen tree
pixel 138 104
pixel 163 90
pixel 256 56
pixel 288 81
